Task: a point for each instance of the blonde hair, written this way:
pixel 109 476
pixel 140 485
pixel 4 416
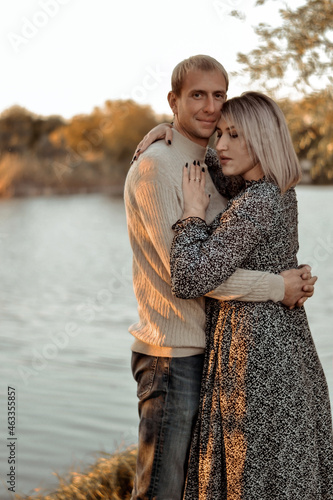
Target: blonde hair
pixel 260 121
pixel 199 62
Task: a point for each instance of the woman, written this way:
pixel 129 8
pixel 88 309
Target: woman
pixel 264 429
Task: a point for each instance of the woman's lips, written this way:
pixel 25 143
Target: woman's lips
pixel 224 159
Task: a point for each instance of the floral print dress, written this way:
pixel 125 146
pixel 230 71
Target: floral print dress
pixel 264 430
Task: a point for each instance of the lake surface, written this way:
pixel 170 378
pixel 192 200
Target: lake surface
pixel 66 303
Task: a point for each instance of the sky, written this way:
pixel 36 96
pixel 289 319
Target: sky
pixel 64 57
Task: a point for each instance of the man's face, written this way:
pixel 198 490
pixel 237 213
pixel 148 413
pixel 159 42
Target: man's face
pixel 198 108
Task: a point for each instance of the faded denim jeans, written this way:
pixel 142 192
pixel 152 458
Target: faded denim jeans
pixel 168 392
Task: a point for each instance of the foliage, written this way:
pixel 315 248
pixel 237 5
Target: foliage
pixel 303 44
pixel 110 477
pixel 309 123
pixel 88 152
pixel 299 53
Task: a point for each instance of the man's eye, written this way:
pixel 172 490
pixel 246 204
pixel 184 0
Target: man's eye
pixel 197 94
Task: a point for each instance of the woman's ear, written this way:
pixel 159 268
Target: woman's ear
pixel 172 100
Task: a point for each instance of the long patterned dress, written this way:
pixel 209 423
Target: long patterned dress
pixel 264 430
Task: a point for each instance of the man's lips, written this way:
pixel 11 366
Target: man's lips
pixel 208 121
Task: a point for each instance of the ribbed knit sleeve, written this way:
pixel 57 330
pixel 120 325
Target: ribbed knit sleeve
pixel 250 286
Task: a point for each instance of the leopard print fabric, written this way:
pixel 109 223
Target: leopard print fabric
pixel 264 430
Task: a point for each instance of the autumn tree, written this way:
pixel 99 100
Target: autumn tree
pixel 299 53
pixel 21 130
pixel 125 123
pixel 88 152
pixel 301 47
pixel 309 121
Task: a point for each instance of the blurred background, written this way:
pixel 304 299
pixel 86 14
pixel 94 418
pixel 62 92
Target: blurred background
pixel 82 82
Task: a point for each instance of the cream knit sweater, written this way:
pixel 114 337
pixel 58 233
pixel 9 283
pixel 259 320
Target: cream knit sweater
pixel 169 326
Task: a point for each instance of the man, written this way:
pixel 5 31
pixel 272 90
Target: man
pixel 169 341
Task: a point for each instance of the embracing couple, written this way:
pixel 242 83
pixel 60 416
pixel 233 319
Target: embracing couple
pixel 233 401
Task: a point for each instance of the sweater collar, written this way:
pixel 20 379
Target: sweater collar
pixel 188 147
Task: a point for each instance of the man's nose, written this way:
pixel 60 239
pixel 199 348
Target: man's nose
pixel 209 105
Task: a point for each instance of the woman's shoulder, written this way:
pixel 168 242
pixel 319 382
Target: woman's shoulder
pixel 264 200
pixel 263 190
pixel 258 201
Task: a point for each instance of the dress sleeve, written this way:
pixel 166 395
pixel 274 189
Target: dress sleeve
pixel 202 258
pixel 226 186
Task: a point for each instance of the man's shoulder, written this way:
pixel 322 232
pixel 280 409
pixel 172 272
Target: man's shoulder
pixel 154 164
pixel 158 152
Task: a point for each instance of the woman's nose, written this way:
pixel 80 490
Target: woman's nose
pixel 221 144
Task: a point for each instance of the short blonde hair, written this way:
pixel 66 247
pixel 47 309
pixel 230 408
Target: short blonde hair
pixel 260 121
pixel 199 62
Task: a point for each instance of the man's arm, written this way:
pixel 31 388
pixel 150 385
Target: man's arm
pixel 250 286
pixel 292 287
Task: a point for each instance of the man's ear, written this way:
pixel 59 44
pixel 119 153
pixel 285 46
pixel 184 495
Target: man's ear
pixel 172 100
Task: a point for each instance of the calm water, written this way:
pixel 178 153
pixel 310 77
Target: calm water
pixel 66 303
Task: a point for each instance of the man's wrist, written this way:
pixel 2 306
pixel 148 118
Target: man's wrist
pixel 276 287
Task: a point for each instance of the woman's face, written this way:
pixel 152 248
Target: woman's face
pixel 233 153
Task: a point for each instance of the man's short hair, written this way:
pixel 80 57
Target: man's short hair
pixel 199 62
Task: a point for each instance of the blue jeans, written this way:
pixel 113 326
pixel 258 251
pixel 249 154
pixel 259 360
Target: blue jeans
pixel 168 392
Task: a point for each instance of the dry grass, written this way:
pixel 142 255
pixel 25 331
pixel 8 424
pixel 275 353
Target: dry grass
pixel 111 477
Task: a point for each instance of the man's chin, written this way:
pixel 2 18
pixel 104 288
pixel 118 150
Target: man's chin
pixel 207 132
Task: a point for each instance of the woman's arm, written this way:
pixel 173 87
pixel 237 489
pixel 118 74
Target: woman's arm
pixel 203 258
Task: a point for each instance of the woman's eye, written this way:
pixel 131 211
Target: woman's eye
pixel 234 136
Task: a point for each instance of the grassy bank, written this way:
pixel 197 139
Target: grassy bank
pixel 111 477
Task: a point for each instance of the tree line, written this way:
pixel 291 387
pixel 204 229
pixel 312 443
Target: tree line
pixel 93 152
pixel 86 153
